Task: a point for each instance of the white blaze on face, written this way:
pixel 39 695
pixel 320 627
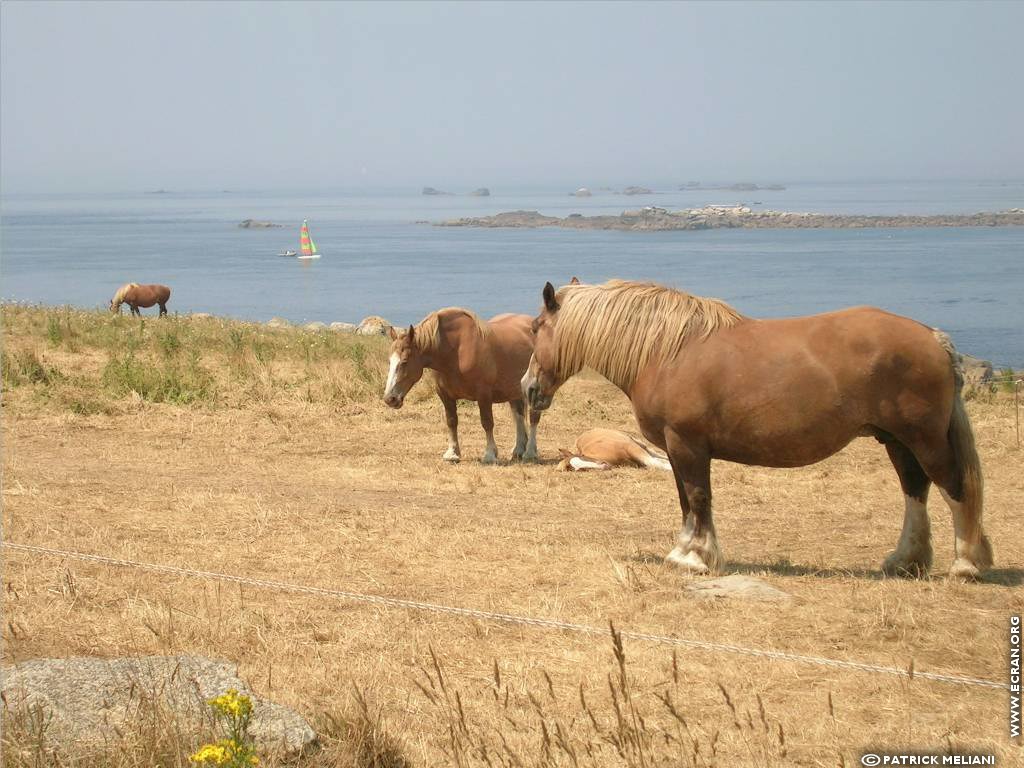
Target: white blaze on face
pixel 527 380
pixel 392 374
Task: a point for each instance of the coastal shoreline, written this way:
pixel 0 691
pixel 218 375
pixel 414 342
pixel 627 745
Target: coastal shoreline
pixel 653 219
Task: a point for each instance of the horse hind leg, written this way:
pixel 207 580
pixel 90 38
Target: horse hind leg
pixel 647 458
pixel 952 464
pixel 519 415
pixel 913 553
pixel 163 310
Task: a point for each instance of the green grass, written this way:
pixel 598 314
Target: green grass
pixel 165 381
pixel 205 362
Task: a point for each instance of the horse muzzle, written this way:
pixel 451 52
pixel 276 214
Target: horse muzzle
pixel 394 401
pixel 538 401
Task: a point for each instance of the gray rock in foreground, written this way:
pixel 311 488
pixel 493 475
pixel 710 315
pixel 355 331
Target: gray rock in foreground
pixel 740 586
pixel 88 700
pixel 344 327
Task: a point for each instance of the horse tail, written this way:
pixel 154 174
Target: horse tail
pixel 968 481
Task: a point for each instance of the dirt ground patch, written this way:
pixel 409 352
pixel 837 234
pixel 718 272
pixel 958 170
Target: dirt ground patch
pixel 307 486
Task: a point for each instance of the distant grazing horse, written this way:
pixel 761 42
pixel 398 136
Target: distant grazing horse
pixel 708 383
pixel 606 448
pixel 135 296
pixel 471 360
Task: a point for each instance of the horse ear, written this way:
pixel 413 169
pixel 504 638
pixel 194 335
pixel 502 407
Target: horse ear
pixel 575 280
pixel 392 332
pixel 549 298
pixel 412 335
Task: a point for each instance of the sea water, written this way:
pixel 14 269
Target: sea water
pixel 76 250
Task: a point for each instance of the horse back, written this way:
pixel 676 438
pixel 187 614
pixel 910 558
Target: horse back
pixel 766 382
pixel 158 293
pixel 493 363
pixel 511 342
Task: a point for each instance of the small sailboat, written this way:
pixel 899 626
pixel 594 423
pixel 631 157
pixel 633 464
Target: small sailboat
pixel 309 249
pixel 287 253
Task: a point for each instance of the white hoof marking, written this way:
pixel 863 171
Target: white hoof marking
pixel 689 561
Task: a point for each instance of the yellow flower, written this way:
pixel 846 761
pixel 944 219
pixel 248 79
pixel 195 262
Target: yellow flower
pixel 210 753
pixel 232 704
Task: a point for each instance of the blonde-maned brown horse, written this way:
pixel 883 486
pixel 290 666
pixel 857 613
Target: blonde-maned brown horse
pixel 601 448
pixel 471 360
pixel 707 383
pixel 135 296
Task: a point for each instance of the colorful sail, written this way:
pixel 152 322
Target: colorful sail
pixel 308 246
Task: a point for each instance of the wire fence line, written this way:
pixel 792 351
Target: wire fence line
pixel 514 619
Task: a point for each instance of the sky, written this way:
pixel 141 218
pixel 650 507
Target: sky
pixel 180 95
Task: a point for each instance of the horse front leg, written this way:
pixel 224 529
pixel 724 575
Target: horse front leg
pixel 531 442
pixel 451 417
pixel 519 415
pixel 163 310
pixel 135 310
pixel 487 422
pixel 696 549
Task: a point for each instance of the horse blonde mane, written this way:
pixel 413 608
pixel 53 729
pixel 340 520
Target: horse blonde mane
pixel 620 327
pixel 122 291
pixel 428 330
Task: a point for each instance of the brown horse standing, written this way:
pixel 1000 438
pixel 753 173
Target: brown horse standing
pixel 135 296
pixel 471 360
pixel 708 383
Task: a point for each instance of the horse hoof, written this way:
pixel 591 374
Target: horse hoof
pixel 903 567
pixel 489 459
pixel 964 570
pixel 451 458
pixel 689 561
pixel 531 457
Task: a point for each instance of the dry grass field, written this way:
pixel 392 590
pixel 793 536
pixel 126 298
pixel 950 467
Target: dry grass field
pixel 265 452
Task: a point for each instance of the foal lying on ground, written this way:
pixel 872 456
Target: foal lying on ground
pixel 471 360
pixel 606 448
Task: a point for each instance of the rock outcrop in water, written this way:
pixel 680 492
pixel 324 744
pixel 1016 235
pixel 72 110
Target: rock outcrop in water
pixel 430 191
pixel 742 186
pixel 254 224
pixel 738 217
